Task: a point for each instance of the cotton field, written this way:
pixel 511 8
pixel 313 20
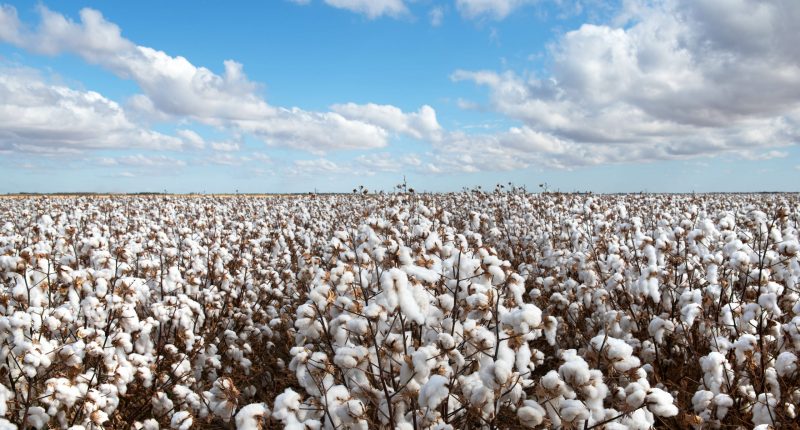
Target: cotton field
pixel 469 310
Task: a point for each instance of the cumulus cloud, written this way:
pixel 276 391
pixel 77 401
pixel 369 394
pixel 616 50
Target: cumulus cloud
pixel 372 8
pixel 495 9
pixel 173 87
pixel 315 167
pixel 436 16
pixel 419 125
pixel 672 79
pixel 225 146
pixel 37 116
pixel 145 161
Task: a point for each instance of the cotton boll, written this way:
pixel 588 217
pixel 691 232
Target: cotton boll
pixel 222 398
pixel 181 420
pixel 37 417
pixel 434 392
pixel 524 319
pixel 786 364
pixel 764 409
pixel 690 312
pixel 701 400
pixel 660 403
pixel 617 351
pixel 286 404
pixel 575 370
pixel 723 402
pixel 574 411
pixel 658 327
pixel 531 414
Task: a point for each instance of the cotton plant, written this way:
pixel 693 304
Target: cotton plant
pixel 482 308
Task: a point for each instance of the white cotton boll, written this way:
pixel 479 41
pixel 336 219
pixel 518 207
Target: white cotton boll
pixel 150 424
pixel 714 366
pixel 660 403
pixel 37 417
pixel 346 357
pixel 434 392
pixel 550 329
pixel 635 394
pixel 522 359
pixel 617 351
pixel 445 341
pixel 640 419
pixel 724 402
pixel 359 326
pixel 786 364
pixel 769 301
pixel 690 312
pixel 574 411
pixel 658 327
pixel 221 399
pixel 764 409
pixel 5 396
pixel 524 319
pixel 251 416
pixel 394 283
pixel 287 403
pixel 552 382
pixel 181 420
pixel 575 370
pixel 531 414
pixel 161 403
pixel 701 400
pixel 745 343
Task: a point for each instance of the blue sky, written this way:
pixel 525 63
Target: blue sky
pixel 293 96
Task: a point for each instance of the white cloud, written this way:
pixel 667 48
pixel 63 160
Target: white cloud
pixel 419 125
pixel 372 8
pixel 316 167
pixel 36 116
pixel 175 88
pixel 436 16
pixel 225 146
pixel 144 161
pixel 670 80
pixel 316 132
pixel 495 9
pixel 225 159
pixel 191 138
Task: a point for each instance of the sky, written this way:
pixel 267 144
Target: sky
pixel 329 95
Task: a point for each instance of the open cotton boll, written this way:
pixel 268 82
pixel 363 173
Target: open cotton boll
pixel 394 283
pixel 658 327
pixel 531 414
pixel 181 420
pixel 764 409
pixel 660 403
pixel 617 351
pixel 251 416
pixel 701 400
pixel 786 364
pixel 690 312
pixel 574 411
pixel 434 392
pixel 575 370
pixel 37 417
pixel 221 399
pixel 286 404
pixel 723 402
pixel 524 319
